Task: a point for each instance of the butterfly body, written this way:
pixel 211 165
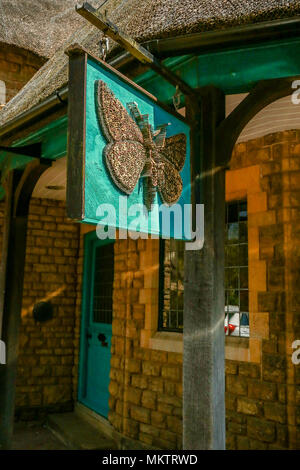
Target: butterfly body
pixel 134 150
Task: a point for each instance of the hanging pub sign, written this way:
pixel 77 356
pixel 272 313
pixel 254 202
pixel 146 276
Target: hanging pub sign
pixel 128 156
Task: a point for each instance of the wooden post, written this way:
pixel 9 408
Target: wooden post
pixel 204 342
pixel 18 199
pixel 213 139
pixel 5 239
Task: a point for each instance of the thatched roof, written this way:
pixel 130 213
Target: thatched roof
pixel 40 26
pixel 146 19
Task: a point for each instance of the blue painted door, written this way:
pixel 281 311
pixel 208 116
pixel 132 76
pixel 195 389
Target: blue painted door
pixel 97 324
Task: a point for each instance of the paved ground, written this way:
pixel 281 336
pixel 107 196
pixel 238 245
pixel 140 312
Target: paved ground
pixel 35 436
pixel 80 433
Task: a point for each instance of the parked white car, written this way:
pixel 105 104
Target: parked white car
pixel 236 326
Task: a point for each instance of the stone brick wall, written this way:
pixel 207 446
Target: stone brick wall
pixel 262 399
pixel 262 384
pixel 78 306
pixel 146 397
pixel 46 351
pixel 17 66
pixel 146 385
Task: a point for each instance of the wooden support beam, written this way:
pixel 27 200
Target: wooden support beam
pixel 32 150
pixel 203 337
pixel 264 93
pixel 9 190
pixel 212 143
pixel 95 17
pixel 20 187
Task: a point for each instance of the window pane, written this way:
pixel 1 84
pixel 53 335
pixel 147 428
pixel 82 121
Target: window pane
pixel 243 255
pixel 233 300
pixel 232 278
pixel 244 278
pixel 243 211
pixel 244 300
pixel 232 255
pixel 180 319
pixel 244 324
pixel 243 231
pixel 172 276
pixel 236 270
pixel 232 213
pixel 173 319
pixel 233 232
pixel 236 276
pixel 180 297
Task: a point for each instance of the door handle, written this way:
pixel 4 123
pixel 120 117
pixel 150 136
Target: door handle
pixel 102 339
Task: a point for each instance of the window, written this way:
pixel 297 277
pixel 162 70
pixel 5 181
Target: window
pixel 236 270
pixel 171 285
pixel 103 283
pixel 236 276
pixel 2 93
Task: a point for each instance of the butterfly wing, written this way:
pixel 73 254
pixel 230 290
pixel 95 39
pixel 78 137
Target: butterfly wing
pixel 172 158
pixel 124 154
pixel 175 150
pixel 115 122
pixel 169 183
pixel 125 161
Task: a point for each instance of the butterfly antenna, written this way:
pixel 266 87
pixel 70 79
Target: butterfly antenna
pixel 160 134
pixel 134 110
pixel 142 120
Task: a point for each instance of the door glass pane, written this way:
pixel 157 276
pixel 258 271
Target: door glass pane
pixel 103 284
pixel 232 232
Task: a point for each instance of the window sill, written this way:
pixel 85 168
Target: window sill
pixel 167 341
pixel 237 349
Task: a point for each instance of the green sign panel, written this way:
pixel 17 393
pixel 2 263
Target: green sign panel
pixel 128 155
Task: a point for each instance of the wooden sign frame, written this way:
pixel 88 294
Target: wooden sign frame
pixel 77 125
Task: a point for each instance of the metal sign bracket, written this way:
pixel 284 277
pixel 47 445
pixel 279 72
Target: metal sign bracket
pixel 129 44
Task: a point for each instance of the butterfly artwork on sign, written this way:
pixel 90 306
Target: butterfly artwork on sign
pixel 135 150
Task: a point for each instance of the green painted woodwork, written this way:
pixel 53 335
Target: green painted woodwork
pixel 54 146
pixel 10 161
pixel 94 362
pixel 53 137
pixel 234 71
pixel 99 187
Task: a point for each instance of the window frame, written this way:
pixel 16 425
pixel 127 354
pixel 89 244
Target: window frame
pixel 238 201
pixel 162 282
pixel 161 291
